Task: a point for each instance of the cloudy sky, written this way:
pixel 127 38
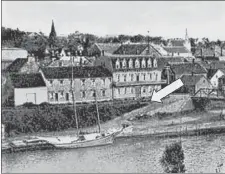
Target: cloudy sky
pixel 164 18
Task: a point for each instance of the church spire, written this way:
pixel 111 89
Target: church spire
pixel 52 36
pixel 186 35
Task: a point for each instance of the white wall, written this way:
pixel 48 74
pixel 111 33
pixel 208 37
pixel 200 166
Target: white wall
pixel 21 94
pixel 214 79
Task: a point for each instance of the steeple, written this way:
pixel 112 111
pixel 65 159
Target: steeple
pixel 52 36
pixel 186 35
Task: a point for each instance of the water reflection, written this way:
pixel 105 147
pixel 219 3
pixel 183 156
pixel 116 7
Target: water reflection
pixel 126 155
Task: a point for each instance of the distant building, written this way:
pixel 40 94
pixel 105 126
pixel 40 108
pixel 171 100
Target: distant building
pixel 188 68
pixel 134 76
pixel 28 88
pixel 193 83
pixel 103 49
pixel 215 78
pixel 88 83
pixel 11 54
pixel 23 65
pixel 221 84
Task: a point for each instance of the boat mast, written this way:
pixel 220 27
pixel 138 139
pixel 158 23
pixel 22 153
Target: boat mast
pixel 73 97
pixel 96 103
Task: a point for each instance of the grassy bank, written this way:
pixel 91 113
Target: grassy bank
pixel 47 118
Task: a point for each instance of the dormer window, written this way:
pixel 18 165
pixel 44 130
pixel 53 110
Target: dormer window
pixel 143 63
pixel 137 63
pixel 149 63
pixel 155 63
pixel 130 63
pixel 117 64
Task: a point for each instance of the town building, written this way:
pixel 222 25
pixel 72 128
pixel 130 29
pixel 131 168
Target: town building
pixel 28 88
pixel 88 82
pixel 11 54
pixel 23 65
pixel 135 76
pixel 215 78
pixel 103 49
pixel 193 83
pixel 221 84
pixel 187 68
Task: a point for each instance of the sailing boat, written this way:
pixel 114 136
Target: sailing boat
pixel 85 140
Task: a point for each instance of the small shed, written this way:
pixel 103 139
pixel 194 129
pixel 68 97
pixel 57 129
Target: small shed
pixel 29 88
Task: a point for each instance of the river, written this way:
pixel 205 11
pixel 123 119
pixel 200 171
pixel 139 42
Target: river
pixel 202 154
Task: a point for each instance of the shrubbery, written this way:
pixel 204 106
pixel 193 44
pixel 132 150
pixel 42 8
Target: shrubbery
pixel 48 117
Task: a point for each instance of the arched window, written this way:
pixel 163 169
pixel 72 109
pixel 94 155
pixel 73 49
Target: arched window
pixel 117 64
pixel 143 63
pixel 130 63
pixel 137 63
pixel 155 63
pixel 149 63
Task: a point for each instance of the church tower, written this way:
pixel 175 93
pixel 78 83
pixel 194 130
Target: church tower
pixel 187 43
pixel 52 36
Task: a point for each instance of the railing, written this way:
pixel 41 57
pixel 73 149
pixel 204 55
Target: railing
pixel 210 93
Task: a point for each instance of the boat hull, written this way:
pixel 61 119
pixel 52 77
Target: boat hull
pixel 87 143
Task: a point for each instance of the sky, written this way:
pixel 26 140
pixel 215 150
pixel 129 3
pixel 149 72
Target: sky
pixel 168 19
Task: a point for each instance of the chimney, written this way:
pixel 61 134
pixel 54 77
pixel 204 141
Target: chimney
pixel 168 74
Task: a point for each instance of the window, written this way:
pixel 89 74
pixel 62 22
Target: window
pixel 156 77
pixel 132 90
pixel 137 77
pixel 118 77
pixel 143 63
pixel 132 77
pixel 125 90
pixel 93 94
pixel 61 82
pixel 137 63
pixel 118 90
pixel 83 94
pixel 67 96
pixel 51 95
pixel 117 64
pixel 93 82
pixel 124 63
pixel 51 82
pixel 56 97
pixel 144 90
pixel 103 93
pixel 103 80
pixel 150 76
pixel 125 77
pixel 149 63
pixel 144 76
pixel 60 63
pixel 61 94
pixel 82 82
pixel 130 63
pixel 155 63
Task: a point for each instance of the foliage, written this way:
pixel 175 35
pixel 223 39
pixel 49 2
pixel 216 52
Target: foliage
pixel 173 159
pixel 48 117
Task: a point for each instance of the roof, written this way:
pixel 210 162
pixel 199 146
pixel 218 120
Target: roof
pixel 21 80
pixel 217 65
pixel 190 80
pixel 188 68
pixel 131 49
pixel 209 52
pixel 78 72
pixel 176 49
pixel 13 53
pixel 108 47
pixel 16 65
pixel 176 43
pixel 222 77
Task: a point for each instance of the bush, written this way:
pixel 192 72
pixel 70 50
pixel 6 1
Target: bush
pixel 173 159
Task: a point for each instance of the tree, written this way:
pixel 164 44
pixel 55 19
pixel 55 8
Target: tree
pixel 173 159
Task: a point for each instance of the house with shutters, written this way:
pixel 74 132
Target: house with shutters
pixel 28 88
pixel 86 82
pixel 135 76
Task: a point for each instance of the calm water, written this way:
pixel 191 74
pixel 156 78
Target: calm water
pixel 126 155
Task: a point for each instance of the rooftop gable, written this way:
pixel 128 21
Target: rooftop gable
pixel 22 80
pixel 190 80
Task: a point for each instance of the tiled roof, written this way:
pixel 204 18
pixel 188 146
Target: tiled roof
pixel 217 65
pixel 190 80
pixel 16 65
pixel 131 49
pixel 209 52
pixel 20 80
pixel 187 68
pixel 108 47
pixel 78 72
pixel 176 43
pixel 176 49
